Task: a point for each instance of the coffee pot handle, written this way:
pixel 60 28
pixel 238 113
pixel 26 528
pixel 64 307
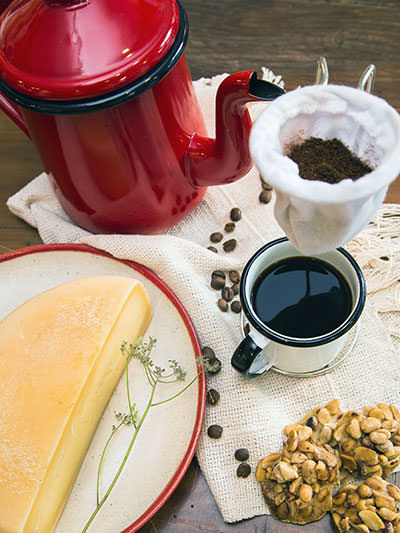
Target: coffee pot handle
pixel 13 111
pixel 249 358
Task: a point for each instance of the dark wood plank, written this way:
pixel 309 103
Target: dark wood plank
pixel 19 165
pixel 191 509
pixel 289 36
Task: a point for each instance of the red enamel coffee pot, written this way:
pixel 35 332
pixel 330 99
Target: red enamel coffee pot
pixel 103 89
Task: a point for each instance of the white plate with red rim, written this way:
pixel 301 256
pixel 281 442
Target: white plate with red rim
pixel 168 438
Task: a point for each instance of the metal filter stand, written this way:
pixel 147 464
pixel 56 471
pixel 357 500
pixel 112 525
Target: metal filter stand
pixel 366 82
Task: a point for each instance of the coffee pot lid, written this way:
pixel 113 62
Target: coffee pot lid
pixel 77 49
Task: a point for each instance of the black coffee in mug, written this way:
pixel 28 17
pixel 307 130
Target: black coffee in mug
pixel 301 297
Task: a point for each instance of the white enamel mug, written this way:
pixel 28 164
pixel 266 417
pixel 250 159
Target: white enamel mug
pixel 263 348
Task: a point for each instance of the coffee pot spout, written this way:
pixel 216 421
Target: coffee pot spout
pixel 227 158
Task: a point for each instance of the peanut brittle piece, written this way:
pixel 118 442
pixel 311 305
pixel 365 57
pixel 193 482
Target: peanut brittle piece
pixel 297 484
pixel 369 441
pixel 322 421
pixel 367 506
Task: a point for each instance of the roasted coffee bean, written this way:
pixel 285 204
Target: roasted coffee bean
pixel 217 283
pixel 216 236
pixel 215 367
pixel 236 306
pixel 264 183
pixel 235 214
pixel 214 431
pixel 227 294
pixel 208 353
pixel 234 276
pixel 223 305
pixel 212 249
pixel 265 197
pixel 230 245
pixel 213 396
pixel 219 274
pixel 266 186
pixel 242 454
pixel 246 328
pixel 243 470
pixel 229 227
pixel 235 288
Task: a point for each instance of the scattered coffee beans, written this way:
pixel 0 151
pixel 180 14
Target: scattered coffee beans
pixel 266 191
pixel 208 353
pixel 217 282
pixel 223 305
pixel 216 367
pixel 235 214
pixel 242 454
pixel 230 245
pixel 265 196
pixel 227 294
pixel 234 276
pixel 266 186
pixel 236 306
pixel 215 431
pixel 243 470
pixel 216 236
pixel 213 396
pixel 218 277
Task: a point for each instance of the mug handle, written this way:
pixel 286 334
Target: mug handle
pixel 249 358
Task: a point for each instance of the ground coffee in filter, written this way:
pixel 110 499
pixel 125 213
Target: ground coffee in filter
pixel 327 160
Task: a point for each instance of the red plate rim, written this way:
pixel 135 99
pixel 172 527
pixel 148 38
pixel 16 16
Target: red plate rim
pixel 183 466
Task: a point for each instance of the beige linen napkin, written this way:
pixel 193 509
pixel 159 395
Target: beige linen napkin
pixel 252 413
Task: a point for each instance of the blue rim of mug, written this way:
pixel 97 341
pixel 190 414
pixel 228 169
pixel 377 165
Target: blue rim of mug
pixel 297 341
pixel 97 103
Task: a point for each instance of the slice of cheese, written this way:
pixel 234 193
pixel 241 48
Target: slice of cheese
pixel 60 361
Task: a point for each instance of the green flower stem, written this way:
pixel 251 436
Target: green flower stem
pixel 169 380
pixel 115 479
pixel 115 429
pixel 180 392
pixel 150 376
pixel 168 377
pixel 131 407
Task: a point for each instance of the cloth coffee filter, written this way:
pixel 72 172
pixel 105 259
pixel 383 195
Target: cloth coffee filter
pixel 318 216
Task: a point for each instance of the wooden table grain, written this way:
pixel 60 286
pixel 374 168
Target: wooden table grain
pixel 287 36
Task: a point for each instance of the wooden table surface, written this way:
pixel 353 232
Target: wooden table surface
pixel 226 36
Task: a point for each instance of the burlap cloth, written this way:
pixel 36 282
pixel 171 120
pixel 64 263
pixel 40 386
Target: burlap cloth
pixel 252 413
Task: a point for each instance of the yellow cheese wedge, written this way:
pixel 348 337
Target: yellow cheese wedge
pixel 60 361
